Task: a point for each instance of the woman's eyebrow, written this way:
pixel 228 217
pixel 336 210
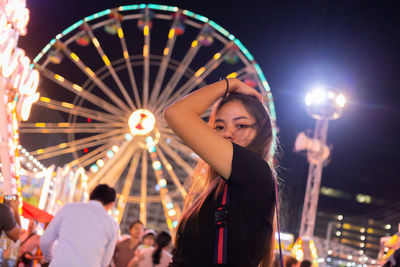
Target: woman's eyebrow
pixel 234 119
pixel 240 117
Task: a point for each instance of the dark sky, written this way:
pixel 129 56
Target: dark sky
pixel 349 45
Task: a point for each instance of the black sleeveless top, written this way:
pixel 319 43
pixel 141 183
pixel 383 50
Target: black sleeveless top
pixel 251 210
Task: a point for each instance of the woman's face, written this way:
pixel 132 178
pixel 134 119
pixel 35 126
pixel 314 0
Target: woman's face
pixel 234 123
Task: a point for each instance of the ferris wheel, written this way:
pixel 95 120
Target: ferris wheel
pixel 105 81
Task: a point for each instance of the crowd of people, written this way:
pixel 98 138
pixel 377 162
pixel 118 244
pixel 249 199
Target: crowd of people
pixel 82 234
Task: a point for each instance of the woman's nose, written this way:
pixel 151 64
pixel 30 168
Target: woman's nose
pixel 227 133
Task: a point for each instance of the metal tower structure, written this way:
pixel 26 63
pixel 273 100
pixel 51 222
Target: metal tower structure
pixel 316 159
pixel 322 105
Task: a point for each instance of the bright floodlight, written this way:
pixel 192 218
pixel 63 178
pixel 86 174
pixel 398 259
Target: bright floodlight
pixel 141 122
pixel 324 103
pixel 316 96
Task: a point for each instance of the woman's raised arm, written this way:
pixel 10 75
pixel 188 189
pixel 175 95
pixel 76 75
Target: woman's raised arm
pixel 183 116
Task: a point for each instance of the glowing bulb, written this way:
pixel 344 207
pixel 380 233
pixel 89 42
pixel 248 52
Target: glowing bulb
pixel 171 213
pixel 100 163
pixel 156 165
pixel 141 122
pixel 94 168
pixel 316 96
pixel 340 217
pixel 162 182
pixel 340 100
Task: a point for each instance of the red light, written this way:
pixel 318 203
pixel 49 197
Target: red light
pixel 89 120
pixel 85 150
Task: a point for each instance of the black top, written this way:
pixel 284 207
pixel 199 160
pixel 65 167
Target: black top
pixel 7 220
pixel 251 209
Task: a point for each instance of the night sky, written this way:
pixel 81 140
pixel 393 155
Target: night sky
pixel 349 45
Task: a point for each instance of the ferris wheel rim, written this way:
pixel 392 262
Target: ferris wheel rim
pixel 188 13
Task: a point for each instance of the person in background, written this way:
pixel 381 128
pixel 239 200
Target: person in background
pixel 148 239
pixel 158 256
pixel 125 250
pixel 290 261
pixel 11 225
pixel 30 242
pixel 305 263
pixel 9 219
pixel 85 233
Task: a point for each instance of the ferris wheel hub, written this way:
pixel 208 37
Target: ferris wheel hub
pixel 141 122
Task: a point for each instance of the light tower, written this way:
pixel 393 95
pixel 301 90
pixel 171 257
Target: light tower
pixel 323 105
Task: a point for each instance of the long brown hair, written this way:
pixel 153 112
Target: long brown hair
pixel 204 180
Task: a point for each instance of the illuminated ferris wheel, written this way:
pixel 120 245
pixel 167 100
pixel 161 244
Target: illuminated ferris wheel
pixel 105 81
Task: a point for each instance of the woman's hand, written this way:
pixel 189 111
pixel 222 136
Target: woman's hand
pixel 237 86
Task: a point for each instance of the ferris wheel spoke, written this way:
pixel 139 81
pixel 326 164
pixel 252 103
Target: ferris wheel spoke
pixel 143 188
pixel 92 76
pixel 163 191
pixel 76 110
pixel 128 64
pixel 238 74
pixel 175 156
pixel 175 143
pixel 66 148
pixel 75 142
pixel 109 66
pixel 198 77
pixel 166 57
pixel 123 198
pixel 169 88
pixel 65 127
pixel 110 169
pixel 86 159
pixel 78 90
pixel 146 53
pixel 171 173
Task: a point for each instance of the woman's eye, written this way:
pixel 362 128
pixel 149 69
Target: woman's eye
pixel 218 128
pixel 242 126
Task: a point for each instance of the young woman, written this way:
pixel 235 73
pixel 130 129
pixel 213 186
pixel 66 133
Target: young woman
pixel 154 257
pixel 236 149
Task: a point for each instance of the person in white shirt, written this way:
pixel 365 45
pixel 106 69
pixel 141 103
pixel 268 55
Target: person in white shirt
pixel 154 257
pixel 85 233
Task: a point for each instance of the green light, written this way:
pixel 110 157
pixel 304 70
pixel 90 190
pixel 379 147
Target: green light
pixel 219 28
pixel 46 48
pixel 129 7
pixel 71 28
pixel 142 6
pixel 162 7
pixel 38 57
pixel 97 15
pixel 244 50
pixel 31 66
pixel 231 37
pixel 200 17
pixel 188 13
pixel 52 41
